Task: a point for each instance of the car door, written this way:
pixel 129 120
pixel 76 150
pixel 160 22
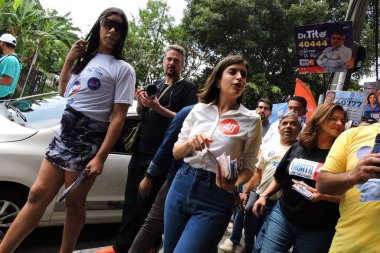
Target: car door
pixel 105 200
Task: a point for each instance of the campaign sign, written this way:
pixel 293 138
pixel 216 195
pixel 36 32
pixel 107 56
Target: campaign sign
pixel 305 168
pixel 372 105
pixel 326 47
pixel 352 102
pixel 277 111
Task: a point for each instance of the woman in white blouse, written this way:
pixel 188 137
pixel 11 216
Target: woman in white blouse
pixel 199 203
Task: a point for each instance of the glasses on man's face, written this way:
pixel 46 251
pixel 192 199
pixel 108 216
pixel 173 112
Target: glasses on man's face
pixel 109 24
pixel 264 108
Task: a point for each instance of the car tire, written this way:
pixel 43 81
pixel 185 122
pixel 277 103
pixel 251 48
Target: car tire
pixel 11 202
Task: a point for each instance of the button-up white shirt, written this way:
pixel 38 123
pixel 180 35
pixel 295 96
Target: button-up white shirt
pixel 335 60
pixel 236 132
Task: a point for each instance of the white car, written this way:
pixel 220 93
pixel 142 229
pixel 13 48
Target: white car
pixel 24 137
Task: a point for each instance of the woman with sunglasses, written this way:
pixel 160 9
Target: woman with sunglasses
pixel 199 203
pixel 305 221
pixel 99 87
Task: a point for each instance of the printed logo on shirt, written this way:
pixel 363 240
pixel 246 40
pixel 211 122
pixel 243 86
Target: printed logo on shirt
pixel 73 92
pixel 363 151
pixel 93 83
pixel 229 127
pixel 276 160
pixel 370 191
pixel 271 154
pixel 96 70
pixel 305 168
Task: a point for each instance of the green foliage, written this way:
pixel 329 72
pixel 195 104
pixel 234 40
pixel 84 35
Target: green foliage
pixel 149 34
pixel 262 32
pixel 36 29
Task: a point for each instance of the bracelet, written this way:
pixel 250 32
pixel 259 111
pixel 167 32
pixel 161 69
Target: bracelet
pixel 263 195
pixel 348 179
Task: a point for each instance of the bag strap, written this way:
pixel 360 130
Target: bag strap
pixel 163 93
pixel 18 59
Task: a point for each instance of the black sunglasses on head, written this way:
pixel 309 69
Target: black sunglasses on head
pixel 109 24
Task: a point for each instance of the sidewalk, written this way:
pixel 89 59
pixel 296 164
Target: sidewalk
pixel 226 235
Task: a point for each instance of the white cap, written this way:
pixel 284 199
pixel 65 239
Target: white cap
pixel 6 37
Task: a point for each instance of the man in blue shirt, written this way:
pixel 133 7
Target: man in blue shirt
pixel 10 67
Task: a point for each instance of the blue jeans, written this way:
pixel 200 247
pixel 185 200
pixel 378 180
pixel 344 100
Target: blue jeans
pixel 197 212
pixel 261 224
pixel 237 228
pixel 280 235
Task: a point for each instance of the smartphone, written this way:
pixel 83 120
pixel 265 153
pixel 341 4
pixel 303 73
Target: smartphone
pixel 355 123
pixel 376 146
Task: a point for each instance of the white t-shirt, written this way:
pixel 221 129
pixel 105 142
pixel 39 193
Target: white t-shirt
pixel 102 83
pixel 270 156
pixel 237 133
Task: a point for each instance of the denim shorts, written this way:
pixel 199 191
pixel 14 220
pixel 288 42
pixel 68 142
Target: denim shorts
pixel 77 142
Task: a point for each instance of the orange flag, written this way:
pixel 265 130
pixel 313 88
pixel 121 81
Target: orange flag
pixel 304 91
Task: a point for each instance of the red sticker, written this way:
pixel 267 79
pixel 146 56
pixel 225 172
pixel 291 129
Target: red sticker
pixel 229 127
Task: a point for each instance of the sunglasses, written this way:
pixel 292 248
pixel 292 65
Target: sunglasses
pixel 109 24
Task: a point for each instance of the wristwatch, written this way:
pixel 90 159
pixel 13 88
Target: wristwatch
pixel 263 195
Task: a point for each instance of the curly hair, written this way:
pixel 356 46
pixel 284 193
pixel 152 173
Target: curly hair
pixel 309 137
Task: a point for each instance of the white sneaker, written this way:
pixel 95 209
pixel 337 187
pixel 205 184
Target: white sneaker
pixel 229 246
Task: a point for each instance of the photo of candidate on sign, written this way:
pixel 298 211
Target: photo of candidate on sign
pixel 324 47
pixel 353 102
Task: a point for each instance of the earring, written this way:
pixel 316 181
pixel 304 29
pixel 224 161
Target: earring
pixel 218 85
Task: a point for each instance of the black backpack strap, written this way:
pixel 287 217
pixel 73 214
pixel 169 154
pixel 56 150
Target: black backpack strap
pixel 18 59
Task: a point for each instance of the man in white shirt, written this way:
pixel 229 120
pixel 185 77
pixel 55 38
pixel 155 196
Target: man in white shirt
pixel 296 104
pixel 271 154
pixel 336 57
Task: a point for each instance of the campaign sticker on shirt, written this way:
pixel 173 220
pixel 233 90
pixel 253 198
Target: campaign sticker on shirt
pixel 276 160
pixel 363 151
pixel 73 92
pixel 271 153
pixel 370 190
pixel 305 168
pixel 229 126
pixel 93 83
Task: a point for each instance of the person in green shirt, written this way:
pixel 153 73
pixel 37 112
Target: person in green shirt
pixel 10 66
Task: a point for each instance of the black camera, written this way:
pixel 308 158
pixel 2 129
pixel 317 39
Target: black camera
pixel 151 90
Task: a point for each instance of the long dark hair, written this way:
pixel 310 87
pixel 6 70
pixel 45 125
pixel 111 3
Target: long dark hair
pixel 210 92
pixel 372 94
pixel 309 137
pixel 93 40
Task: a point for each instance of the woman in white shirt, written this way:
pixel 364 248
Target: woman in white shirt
pixel 199 203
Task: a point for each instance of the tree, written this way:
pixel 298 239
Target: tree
pixel 147 38
pixel 262 32
pixel 37 30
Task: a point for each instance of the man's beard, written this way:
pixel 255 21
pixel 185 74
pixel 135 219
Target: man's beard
pixel 171 73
